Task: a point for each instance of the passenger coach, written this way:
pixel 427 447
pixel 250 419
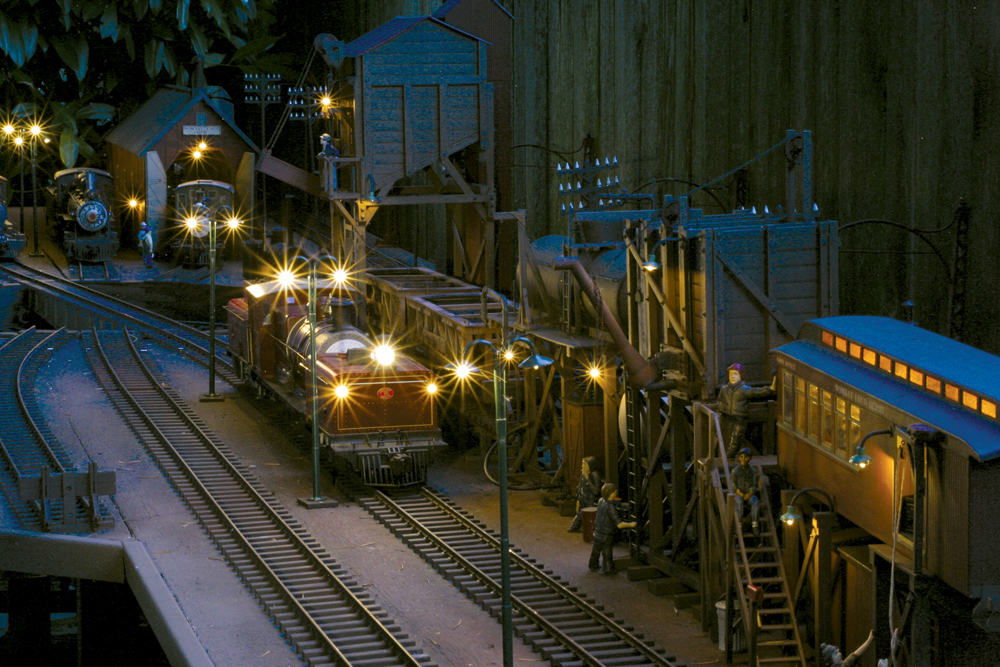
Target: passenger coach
pixel 850 377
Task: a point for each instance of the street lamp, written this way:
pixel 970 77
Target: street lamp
pixel 463 369
pixel 791 516
pixel 651 264
pixel 317 501
pixel 861 460
pixel 36 132
pixel 199 221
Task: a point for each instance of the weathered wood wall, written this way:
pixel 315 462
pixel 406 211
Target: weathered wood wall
pixel 899 96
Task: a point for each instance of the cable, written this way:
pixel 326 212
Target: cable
pixel 681 180
pixel 916 232
pixel 742 166
pixel 560 153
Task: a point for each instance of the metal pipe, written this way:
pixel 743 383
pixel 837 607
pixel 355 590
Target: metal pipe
pixel 640 372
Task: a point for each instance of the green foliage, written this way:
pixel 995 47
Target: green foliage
pixel 65 59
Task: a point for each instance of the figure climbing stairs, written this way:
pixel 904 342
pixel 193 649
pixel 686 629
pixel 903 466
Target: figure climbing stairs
pixel 757 561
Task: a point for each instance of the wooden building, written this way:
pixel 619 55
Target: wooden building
pixel 152 151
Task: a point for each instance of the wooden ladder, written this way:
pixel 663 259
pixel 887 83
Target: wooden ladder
pixel 761 565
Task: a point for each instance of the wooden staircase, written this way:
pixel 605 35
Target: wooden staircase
pixel 756 561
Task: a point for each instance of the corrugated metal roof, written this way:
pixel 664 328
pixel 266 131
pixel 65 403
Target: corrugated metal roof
pixel 449 5
pixel 934 353
pixel 979 434
pixel 139 132
pixel 388 31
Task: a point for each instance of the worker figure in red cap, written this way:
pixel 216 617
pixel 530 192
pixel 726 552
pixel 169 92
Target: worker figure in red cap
pixel 734 406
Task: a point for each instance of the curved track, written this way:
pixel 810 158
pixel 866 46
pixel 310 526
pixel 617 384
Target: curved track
pixel 26 444
pixel 191 341
pixel 324 614
pixel 564 627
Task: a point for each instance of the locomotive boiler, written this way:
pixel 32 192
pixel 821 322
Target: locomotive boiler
pixel 80 203
pixel 12 241
pixel 196 206
pixel 377 412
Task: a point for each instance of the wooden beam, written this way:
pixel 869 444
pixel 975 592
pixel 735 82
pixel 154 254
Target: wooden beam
pixel 770 307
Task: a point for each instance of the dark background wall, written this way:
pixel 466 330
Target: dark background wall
pixel 899 95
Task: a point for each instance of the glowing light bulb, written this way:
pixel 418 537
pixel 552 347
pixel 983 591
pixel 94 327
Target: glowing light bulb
pixel 384 355
pixel 233 223
pixel 431 388
pixel 35 130
pixel 196 155
pixel 341 391
pixel 508 355
pixel 133 203
pixel 286 278
pixel 463 370
pixel 340 276
pixel 595 372
pixel 202 145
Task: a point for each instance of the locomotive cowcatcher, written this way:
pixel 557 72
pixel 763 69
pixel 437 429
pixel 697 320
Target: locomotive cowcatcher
pixel 376 407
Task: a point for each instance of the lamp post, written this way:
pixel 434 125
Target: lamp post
pixel 36 131
pixel 203 218
pixel 500 404
pixel 317 501
pixel 18 140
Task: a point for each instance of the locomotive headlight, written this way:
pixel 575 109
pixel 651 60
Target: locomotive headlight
pixel 384 355
pixel 431 388
pixel 341 391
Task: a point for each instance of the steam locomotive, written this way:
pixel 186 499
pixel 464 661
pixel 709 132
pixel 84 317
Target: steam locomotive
pixel 196 206
pixel 12 241
pixel 80 203
pixel 377 411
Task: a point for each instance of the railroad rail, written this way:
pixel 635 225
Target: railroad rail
pixel 325 615
pixel 565 627
pixel 192 342
pixel 27 446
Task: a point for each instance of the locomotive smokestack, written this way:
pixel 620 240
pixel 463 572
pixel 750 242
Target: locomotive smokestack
pixel 640 372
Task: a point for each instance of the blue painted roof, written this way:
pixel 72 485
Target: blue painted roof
pixel 389 31
pixel 935 354
pixel 980 435
pixel 142 130
pixel 449 5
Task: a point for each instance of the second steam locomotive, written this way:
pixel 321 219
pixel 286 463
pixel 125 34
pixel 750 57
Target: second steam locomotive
pixel 80 201
pixel 197 205
pixel 377 410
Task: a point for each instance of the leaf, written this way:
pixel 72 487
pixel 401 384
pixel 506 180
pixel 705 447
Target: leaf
pixel 215 12
pixel 96 111
pixel 169 60
pixel 109 22
pixel 130 45
pixel 83 49
pixel 10 41
pixel 24 110
pixel 156 5
pixel 154 57
pixel 182 13
pixel 29 35
pixel 89 11
pixel 213 59
pixel 251 49
pixel 68 52
pixel 199 41
pixel 69 147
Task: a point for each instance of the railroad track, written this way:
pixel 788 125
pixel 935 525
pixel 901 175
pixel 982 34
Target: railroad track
pixel 325 615
pixel 26 443
pixel 566 628
pixel 189 340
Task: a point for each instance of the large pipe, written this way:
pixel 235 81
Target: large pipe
pixel 640 372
